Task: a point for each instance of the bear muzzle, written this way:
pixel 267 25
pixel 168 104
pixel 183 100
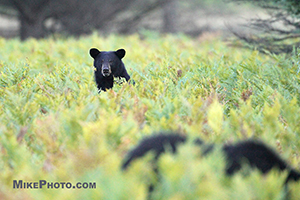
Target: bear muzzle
pixel 106 70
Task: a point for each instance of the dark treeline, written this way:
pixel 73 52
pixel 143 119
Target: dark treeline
pixel 39 18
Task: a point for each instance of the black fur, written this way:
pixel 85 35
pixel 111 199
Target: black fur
pixel 252 152
pixel 108 64
pixel 258 155
pixel 157 144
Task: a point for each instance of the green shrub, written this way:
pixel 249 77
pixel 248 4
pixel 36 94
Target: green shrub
pixel 54 125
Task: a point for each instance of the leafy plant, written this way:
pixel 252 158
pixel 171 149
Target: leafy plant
pixel 54 125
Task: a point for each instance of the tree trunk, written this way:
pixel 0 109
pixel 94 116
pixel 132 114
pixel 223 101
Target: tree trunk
pixel 32 14
pixel 32 28
pixel 170 17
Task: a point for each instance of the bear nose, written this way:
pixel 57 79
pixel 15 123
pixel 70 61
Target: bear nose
pixel 105 71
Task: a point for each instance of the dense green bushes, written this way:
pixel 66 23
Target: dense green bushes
pixel 54 126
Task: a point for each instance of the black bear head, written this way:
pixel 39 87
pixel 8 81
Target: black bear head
pixel 107 62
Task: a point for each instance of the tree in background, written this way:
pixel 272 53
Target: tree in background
pixel 39 18
pixel 280 31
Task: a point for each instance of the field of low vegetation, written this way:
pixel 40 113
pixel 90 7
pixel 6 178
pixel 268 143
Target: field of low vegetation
pixel 54 126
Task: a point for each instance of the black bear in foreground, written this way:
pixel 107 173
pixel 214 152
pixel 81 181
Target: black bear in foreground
pixel 157 144
pixel 252 152
pixel 108 64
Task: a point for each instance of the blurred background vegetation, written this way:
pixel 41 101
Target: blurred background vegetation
pixel 40 18
pixel 276 21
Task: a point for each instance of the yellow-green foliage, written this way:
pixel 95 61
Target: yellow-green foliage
pixel 54 126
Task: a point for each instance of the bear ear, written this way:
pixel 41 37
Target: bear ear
pixel 120 53
pixel 94 52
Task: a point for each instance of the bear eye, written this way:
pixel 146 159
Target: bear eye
pixel 110 61
pixel 102 60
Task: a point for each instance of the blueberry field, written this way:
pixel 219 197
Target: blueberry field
pixel 56 130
